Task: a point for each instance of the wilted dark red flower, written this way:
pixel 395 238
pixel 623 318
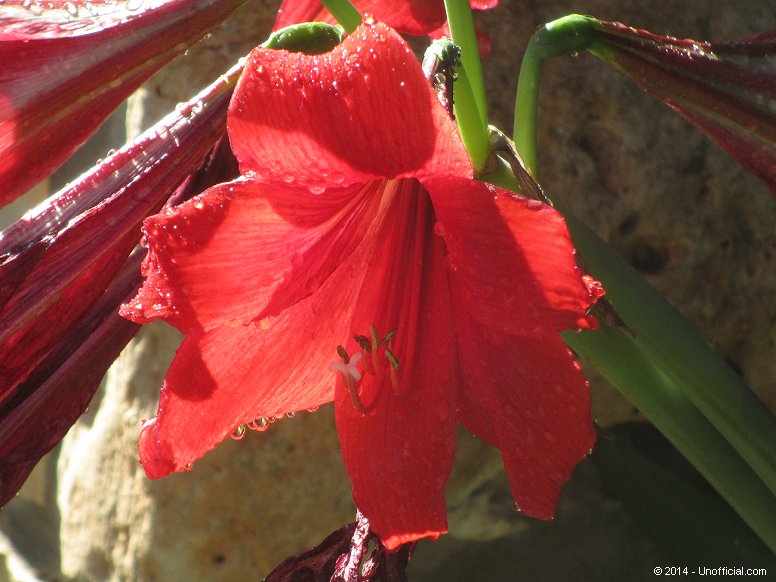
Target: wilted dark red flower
pixel 63 274
pixel 67 65
pixel 358 247
pixel 728 90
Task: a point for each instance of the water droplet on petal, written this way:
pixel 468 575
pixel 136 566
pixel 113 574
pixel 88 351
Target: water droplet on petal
pixel 239 432
pixel 259 425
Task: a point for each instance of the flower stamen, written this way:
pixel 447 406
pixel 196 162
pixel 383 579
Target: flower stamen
pixel 375 356
pixel 351 374
pixel 372 345
pixel 393 369
pixel 372 348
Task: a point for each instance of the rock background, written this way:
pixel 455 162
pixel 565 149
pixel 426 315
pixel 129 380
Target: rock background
pixel 696 224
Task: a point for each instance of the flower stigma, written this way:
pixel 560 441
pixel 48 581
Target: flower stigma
pixel 348 367
pixel 372 345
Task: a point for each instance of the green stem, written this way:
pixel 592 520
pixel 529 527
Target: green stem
pixel 668 341
pixel 344 13
pixel 567 35
pixel 474 134
pixel 620 360
pixel 470 104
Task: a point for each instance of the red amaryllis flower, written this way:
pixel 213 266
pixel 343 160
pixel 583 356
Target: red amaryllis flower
pixel 67 65
pixel 728 90
pixel 419 17
pixel 358 247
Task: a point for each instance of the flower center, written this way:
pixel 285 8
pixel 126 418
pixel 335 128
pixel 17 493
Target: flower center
pixel 375 357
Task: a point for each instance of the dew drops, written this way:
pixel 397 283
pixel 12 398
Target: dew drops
pixel 35 8
pixel 239 432
pixel 290 414
pixel 258 425
pixel 133 5
pixel 439 229
pixel 337 177
pixel 72 9
pixel 184 109
pixel 316 189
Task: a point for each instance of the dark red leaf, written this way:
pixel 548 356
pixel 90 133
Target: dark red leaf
pixel 58 259
pixel 57 392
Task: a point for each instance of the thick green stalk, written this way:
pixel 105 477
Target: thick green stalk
pixel 619 359
pixel 470 104
pixel 564 36
pixel 668 341
pixel 474 134
pixel 344 13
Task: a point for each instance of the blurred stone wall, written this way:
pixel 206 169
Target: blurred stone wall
pixel 696 224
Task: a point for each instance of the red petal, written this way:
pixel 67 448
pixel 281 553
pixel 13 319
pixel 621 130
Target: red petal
pixel 484 40
pixel 399 455
pixel 418 17
pixel 527 397
pixel 484 4
pixel 244 251
pixel 66 66
pixel 342 117
pixel 298 11
pixel 512 259
pixel 234 374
